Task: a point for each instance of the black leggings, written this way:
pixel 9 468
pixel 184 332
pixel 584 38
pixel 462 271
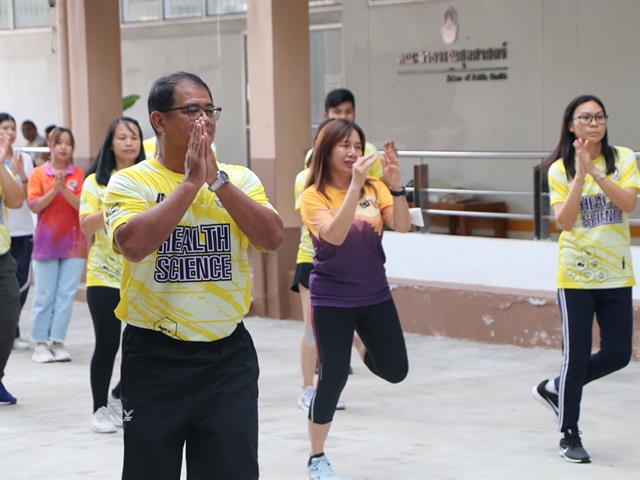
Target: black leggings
pixel 613 308
pixel 102 302
pixel 379 328
pixel 21 248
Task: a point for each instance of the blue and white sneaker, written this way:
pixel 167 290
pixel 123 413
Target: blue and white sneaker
pixel 5 397
pixel 319 468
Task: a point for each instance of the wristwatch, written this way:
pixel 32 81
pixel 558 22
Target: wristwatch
pixel 398 193
pixel 221 179
pixel 599 176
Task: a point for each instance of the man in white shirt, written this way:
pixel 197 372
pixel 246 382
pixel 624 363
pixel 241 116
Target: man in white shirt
pixel 30 134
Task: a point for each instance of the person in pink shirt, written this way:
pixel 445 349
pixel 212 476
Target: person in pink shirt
pixel 59 247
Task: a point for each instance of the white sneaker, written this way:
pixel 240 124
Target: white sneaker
pixel 304 400
pixel 20 344
pixel 42 353
pixel 60 354
pixel 115 410
pixel 319 468
pixel 101 421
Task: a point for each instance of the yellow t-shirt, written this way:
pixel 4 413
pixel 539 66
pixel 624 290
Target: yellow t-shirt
pixel 305 246
pixel 596 252
pixel 104 266
pixel 351 274
pixel 5 238
pixel 196 285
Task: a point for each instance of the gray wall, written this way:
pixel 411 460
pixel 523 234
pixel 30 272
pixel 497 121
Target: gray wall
pixel 556 50
pixel 150 51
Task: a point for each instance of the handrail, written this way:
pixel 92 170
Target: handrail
pixel 468 213
pixel 476 154
pixel 470 154
pixel 32 149
pixel 470 192
pixel 541 218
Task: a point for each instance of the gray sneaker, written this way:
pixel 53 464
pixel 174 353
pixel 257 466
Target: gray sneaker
pixel 319 468
pixel 60 353
pixel 571 448
pixel 42 353
pixel 114 405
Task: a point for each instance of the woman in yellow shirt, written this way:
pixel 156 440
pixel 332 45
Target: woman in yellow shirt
pixel 593 187
pixel 122 147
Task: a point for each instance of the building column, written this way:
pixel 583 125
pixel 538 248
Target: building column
pixel 280 116
pixel 90 70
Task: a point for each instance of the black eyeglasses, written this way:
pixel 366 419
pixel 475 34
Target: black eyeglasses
pixel 192 110
pixel 586 118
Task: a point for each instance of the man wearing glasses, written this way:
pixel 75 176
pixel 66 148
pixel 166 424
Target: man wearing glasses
pixel 183 223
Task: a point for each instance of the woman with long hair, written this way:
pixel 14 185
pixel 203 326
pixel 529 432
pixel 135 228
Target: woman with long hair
pixel 59 247
pixel 121 148
pixel 20 221
pixel 300 284
pixel 593 187
pixel 345 212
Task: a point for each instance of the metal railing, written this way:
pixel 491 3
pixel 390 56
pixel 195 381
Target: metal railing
pixel 541 216
pixel 541 212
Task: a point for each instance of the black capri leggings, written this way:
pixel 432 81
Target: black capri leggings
pixel 379 328
pixel 102 302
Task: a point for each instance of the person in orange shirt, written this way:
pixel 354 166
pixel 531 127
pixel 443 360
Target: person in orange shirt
pixel 346 211
pixel 59 247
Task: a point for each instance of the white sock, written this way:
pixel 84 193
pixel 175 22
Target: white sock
pixel 551 387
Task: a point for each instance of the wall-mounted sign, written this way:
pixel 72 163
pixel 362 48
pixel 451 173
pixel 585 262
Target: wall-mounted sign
pixel 477 64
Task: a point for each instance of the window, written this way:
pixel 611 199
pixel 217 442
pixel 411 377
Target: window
pixel 325 57
pixel 5 14
pixel 150 10
pixel 30 13
pixel 183 8
pixel 222 7
pixel 141 10
pixel 24 13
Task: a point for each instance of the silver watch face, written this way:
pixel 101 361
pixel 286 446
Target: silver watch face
pixel 221 179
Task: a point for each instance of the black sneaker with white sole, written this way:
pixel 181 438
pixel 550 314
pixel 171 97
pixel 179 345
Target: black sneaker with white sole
pixel 571 448
pixel 546 398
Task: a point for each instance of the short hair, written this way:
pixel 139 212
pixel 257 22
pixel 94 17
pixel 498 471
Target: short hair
pixel 161 95
pixel 105 161
pixel 4 116
pixel 30 123
pixel 48 129
pixel 337 97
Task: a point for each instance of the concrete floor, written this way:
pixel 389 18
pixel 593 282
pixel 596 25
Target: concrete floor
pixel 464 412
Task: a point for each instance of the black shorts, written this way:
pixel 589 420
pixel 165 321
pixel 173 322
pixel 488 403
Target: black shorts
pixel 303 270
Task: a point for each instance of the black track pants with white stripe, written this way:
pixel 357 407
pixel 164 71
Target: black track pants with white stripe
pixel 614 312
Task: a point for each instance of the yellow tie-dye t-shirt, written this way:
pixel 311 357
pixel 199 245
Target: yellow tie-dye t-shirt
pixel 596 252
pixel 104 266
pixel 195 286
